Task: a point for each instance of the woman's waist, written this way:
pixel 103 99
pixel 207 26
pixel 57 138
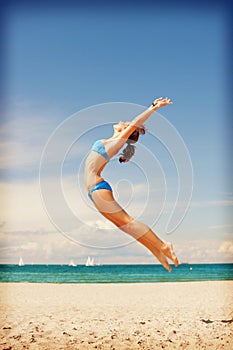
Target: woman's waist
pixel 92 174
pixel 90 184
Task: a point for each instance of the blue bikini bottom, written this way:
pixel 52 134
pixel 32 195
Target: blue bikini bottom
pixel 103 185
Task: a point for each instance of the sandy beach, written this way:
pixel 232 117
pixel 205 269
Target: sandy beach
pixel 193 315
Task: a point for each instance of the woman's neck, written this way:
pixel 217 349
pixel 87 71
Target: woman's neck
pixel 115 135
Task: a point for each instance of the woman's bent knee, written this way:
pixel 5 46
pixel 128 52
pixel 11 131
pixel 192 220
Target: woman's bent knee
pixel 135 228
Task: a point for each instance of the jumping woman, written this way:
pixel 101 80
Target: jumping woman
pixel 100 192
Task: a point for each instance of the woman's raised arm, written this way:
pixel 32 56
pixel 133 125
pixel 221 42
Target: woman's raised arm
pixel 142 118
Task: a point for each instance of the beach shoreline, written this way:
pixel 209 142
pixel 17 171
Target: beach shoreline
pixel 169 315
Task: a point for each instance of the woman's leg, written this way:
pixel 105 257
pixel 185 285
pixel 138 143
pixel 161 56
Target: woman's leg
pixel 110 209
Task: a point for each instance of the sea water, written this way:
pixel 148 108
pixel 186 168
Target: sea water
pixel 114 273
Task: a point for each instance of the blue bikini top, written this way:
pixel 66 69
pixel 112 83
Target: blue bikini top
pixel 99 147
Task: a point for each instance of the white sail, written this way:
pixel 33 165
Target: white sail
pixel 21 263
pixel 90 261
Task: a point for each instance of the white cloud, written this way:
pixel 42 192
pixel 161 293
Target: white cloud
pixel 204 251
pixel 39 246
pixel 29 246
pixel 53 247
pixel 201 204
pixel 23 140
pixel 100 224
pixel 21 207
pixel 226 247
pixel 219 227
pixel 212 203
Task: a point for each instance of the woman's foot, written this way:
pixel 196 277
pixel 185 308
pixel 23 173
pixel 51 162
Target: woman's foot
pixel 168 251
pixel 162 259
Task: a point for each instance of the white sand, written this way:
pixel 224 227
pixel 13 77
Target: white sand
pixel 193 315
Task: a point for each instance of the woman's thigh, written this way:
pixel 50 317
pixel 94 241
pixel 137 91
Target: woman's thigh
pixel 109 208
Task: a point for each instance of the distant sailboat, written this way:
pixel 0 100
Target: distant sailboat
pixel 90 261
pixel 72 263
pixel 98 264
pixel 21 263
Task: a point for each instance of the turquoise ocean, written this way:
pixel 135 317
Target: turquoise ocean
pixel 114 273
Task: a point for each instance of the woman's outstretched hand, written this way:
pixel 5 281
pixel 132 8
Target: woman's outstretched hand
pixel 161 102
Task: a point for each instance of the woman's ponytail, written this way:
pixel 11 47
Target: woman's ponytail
pixel 129 150
pixel 127 153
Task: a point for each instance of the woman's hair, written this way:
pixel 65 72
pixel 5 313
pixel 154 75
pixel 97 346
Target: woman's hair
pixel 129 150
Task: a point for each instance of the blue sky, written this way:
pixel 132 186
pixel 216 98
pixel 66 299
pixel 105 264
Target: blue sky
pixel 60 62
